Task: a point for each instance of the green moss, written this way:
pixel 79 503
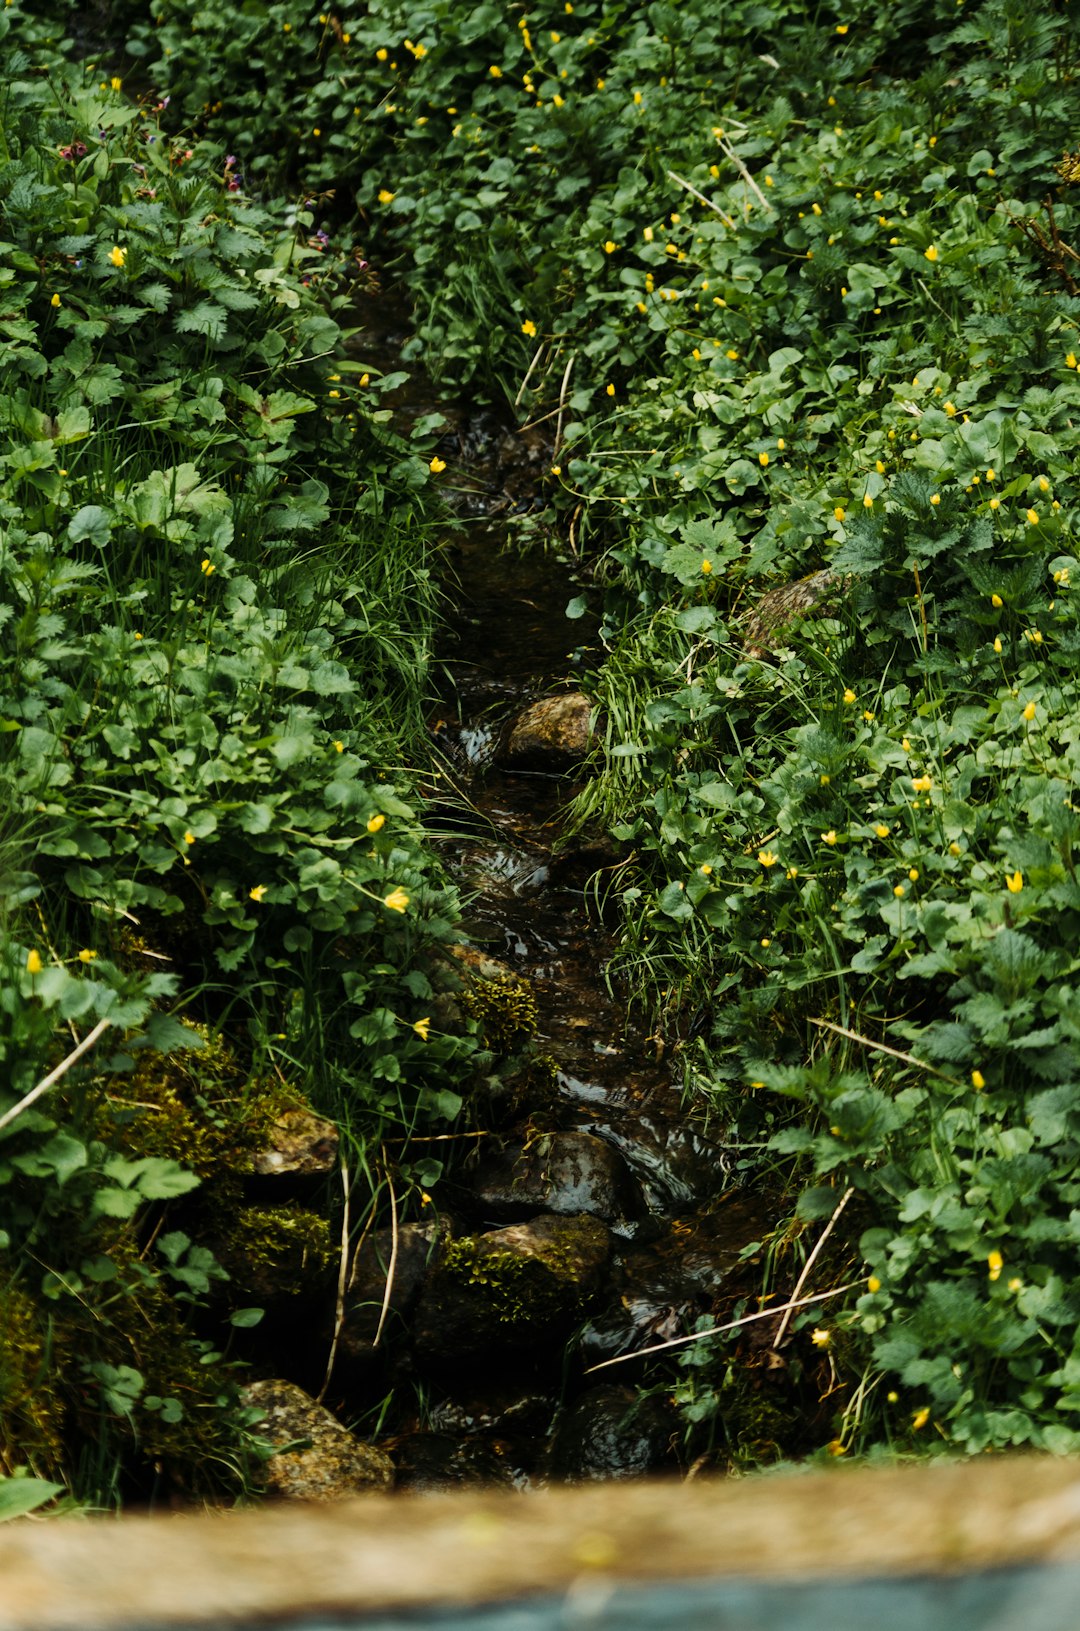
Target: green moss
pixel 523 1289
pixel 505 1010
pixel 278 1251
pixel 32 1410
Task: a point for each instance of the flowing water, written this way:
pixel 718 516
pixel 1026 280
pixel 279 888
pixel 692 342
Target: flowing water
pixel 630 1151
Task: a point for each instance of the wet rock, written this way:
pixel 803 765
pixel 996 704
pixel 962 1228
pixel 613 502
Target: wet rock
pixel 299 1144
pixel 781 607
pixel 564 1173
pixel 519 1289
pixel 555 733
pixel 276 1254
pixel 611 1433
pixel 417 1249
pixel 439 1461
pixel 325 1462
pixel 498 1408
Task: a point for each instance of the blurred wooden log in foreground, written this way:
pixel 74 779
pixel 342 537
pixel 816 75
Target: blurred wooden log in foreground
pixel 382 1556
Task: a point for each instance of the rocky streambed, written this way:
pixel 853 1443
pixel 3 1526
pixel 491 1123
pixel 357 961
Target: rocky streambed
pixel 589 1214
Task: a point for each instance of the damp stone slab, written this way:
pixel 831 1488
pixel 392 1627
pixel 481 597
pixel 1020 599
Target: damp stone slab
pixel 991 1544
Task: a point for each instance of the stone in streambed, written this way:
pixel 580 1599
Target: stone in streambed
pixel 611 1432
pixel 298 1144
pixel 559 1172
pixel 555 733
pixel 326 1463
pixel 522 1288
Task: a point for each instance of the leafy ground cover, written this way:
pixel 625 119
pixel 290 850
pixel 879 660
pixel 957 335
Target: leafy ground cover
pixel 796 289
pixel 216 601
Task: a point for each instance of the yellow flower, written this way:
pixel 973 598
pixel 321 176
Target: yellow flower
pixel 868 503
pixel 1034 635
pixel 913 874
pixel 899 891
pixel 116 83
pixel 1014 882
pixel 792 872
pixel 873 1284
pixel 828 837
pixel 381 54
pixel 1029 711
pixel 386 196
pixel 824 780
pixel 397 900
pixel 528 327
pixel 637 99
pixel 995 1263
pixel 881 830
pixel 55 301
pixel 849 695
pixel 978 1080
pixel 86 955
pixel 117 255
pixel 820 1338
pixel 931 253
pixel 258 892
pixel 1032 517
pixel 732 356
pixel 879 467
pixel 997 602
pixel 839 513
pixel 954 848
pixel 1062 575
pixel 207 567
pixel 920 1418
pixel 558 102
pixel 334 393
pixel 437 465
pixel 995 503
pixel 836 1447
pixel 868 716
pixel 763 459
pixel 189 838
pixel 935 499
pixel 495 71
pixel 1044 485
pixel 610 390
pixel 339 747
pixel 706 567
pixel 921 784
pixel 767 858
pixel 842 28
pixel 1070 360
pixel 781 444
pixel 33 962
pixel 705 869
pixel 422 1027
pixel 610 246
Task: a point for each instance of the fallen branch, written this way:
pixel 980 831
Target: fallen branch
pixel 716 1330
pixel 54 1075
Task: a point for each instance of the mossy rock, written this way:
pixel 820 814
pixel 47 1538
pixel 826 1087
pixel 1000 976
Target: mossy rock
pixel 33 1414
pixel 520 1288
pixel 505 1010
pixel 278 1253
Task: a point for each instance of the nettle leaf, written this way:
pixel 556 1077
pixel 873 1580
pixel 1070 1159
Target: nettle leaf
pixel 206 318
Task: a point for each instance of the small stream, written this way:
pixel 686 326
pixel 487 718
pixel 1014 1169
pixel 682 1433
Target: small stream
pixel 603 1132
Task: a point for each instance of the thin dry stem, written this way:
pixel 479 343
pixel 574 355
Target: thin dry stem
pixel 54 1075
pixel 342 1284
pixel 715 1330
pixel 701 198
pixel 565 386
pixel 808 1265
pixel 525 382
pixel 391 1271
pixel 883 1047
pixel 730 153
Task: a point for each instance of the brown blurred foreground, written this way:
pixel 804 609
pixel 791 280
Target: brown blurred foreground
pixel 386 1554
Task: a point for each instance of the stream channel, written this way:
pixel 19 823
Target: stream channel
pixel 590 1152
